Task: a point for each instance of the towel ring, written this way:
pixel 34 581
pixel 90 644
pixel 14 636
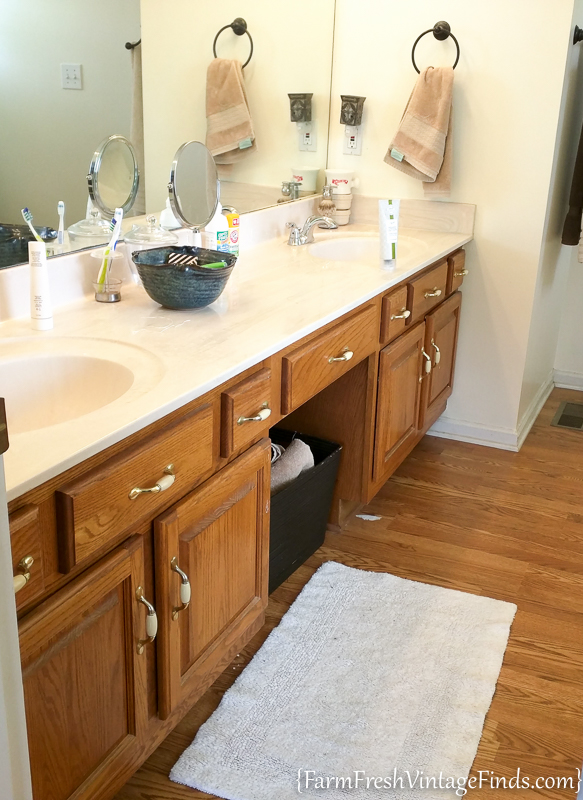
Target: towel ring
pixel 239 27
pixel 441 31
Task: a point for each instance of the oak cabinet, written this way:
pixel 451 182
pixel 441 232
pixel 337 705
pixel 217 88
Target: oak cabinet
pixel 100 695
pixel 84 680
pixel 398 400
pixel 216 541
pixel 441 333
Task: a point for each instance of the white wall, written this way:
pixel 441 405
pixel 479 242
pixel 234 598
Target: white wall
pixel 48 134
pixel 569 355
pixel 550 293
pixel 293 53
pixel 506 109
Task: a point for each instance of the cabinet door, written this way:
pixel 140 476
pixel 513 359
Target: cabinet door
pixel 216 539
pixel 84 681
pixel 399 392
pixel 441 331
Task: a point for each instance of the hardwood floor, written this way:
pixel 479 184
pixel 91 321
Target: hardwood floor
pixel 486 521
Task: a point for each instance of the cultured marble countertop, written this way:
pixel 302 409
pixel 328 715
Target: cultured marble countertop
pixel 276 295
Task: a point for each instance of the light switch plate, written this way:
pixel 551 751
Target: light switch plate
pixel 307 137
pixel 71 76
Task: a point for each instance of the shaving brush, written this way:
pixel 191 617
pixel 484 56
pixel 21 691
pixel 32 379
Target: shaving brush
pixel 326 207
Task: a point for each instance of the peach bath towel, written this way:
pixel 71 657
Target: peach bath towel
pixel 229 134
pixel 422 145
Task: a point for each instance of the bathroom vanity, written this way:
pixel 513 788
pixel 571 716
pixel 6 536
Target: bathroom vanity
pixel 339 350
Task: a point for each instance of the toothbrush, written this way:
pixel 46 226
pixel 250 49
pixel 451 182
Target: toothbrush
pixel 115 228
pixel 61 232
pixel 27 217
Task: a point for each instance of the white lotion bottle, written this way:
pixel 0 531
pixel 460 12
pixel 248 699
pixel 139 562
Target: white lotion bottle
pixel 41 312
pixel 389 231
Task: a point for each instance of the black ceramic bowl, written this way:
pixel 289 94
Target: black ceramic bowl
pixel 183 287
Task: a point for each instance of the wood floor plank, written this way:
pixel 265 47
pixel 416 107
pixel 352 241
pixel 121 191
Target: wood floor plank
pixel 486 521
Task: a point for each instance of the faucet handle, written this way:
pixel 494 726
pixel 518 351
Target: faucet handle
pixel 294 234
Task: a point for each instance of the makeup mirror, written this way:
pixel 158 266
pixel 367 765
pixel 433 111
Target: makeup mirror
pixel 113 177
pixel 194 186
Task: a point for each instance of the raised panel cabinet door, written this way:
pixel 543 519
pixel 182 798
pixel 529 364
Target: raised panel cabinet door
pixel 212 561
pixel 398 399
pixel 441 332
pixel 84 680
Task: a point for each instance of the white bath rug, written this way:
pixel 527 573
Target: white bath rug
pixel 371 686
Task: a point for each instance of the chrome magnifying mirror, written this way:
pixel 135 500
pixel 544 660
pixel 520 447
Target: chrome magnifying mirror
pixel 194 187
pixel 113 177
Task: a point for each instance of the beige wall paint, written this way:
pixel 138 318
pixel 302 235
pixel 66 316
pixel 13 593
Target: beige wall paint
pixel 48 134
pixel 506 105
pixel 293 50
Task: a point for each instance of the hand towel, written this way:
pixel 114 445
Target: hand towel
pixel 229 135
pixel 422 145
pixel 572 226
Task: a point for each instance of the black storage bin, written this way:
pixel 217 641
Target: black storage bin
pixel 299 513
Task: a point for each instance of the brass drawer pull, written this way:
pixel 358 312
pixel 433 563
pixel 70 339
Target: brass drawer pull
pixel 151 621
pixel 433 293
pixel 24 566
pixel 261 415
pixel 403 314
pixel 460 273
pixel 184 588
pixel 164 483
pixel 437 353
pixel 346 356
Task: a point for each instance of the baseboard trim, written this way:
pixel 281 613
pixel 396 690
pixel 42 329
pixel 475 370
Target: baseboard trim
pixel 501 438
pixel 568 380
pixel 460 431
pixel 529 417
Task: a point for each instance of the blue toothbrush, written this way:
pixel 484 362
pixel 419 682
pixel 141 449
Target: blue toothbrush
pixel 27 217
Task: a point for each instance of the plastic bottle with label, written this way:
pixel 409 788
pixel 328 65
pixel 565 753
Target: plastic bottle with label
pixel 216 234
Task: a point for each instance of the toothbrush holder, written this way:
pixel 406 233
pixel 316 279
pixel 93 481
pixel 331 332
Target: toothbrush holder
pixel 108 292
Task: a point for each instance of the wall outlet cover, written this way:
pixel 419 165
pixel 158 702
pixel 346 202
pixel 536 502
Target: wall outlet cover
pixel 307 140
pixel 352 145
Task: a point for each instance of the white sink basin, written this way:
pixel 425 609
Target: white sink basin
pixel 362 248
pixel 57 380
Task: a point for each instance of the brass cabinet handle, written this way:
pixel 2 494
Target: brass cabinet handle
pixel 151 621
pixel 433 293
pixel 164 483
pixel 403 314
pixel 184 589
pixel 427 361
pixel 261 415
pixel 437 353
pixel 460 273
pixel 23 576
pixel 346 356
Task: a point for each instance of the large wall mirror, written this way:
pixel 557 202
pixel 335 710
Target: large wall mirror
pixel 155 95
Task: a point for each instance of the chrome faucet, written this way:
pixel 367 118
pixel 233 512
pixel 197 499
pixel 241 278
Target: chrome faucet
pixel 305 235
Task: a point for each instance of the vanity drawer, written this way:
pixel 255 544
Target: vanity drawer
pixel 395 314
pixel 25 540
pixel 94 511
pixel 245 411
pixel 456 264
pixel 310 368
pixel 428 290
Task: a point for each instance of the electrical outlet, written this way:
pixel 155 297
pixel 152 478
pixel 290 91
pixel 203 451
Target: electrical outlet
pixel 71 76
pixel 307 137
pixel 352 140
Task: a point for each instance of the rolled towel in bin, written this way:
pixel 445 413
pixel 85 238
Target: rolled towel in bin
pixel 296 459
